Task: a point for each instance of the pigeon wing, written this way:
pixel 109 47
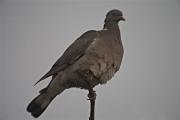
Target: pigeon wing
pixel 75 51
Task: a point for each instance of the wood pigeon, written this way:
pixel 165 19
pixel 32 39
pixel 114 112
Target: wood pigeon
pixel 92 59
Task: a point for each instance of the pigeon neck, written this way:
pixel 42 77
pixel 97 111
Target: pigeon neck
pixel 114 28
pixel 111 25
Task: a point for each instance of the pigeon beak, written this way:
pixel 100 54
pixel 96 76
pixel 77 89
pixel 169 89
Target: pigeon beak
pixel 123 19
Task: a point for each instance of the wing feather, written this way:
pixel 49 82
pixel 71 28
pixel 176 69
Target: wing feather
pixel 75 51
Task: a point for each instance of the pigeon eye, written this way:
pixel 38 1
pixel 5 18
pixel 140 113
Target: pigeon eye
pixel 115 14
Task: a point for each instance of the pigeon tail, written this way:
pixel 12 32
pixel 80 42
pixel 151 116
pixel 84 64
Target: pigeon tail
pixel 39 104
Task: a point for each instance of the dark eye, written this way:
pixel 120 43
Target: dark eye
pixel 115 14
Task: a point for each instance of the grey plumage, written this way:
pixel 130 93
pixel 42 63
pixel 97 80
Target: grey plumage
pixel 92 59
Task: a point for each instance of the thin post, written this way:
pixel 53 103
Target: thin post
pixel 92 98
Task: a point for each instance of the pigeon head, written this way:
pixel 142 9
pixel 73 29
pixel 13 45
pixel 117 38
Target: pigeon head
pixel 114 16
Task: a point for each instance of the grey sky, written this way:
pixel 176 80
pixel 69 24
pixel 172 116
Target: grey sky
pixel 34 34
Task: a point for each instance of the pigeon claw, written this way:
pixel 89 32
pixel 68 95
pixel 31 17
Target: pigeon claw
pixel 92 95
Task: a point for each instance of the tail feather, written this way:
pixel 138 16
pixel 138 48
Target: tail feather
pixel 38 105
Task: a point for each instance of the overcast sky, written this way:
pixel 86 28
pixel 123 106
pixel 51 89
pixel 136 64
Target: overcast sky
pixel 34 34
